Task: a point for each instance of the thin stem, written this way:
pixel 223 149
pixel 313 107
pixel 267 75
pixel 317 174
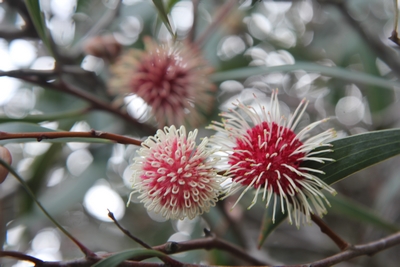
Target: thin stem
pixel 20 256
pixel 164 258
pixel 126 232
pixel 219 17
pixel 192 31
pixel 88 253
pixel 208 243
pixel 342 244
pixel 45 79
pixel 40 136
pixel 394 37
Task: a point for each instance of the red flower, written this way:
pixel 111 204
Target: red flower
pixel 170 78
pixel 174 177
pixel 267 157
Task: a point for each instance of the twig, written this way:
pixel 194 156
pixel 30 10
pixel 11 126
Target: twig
pixel 208 242
pixel 192 32
pixel 342 244
pixel 44 78
pixel 87 252
pixel 358 250
pixel 20 256
pixel 165 259
pixel 219 17
pixel 126 232
pixel 235 227
pixel 375 45
pixel 40 136
pixel 212 242
pixel 394 37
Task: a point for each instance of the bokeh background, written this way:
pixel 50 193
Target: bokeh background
pixel 334 53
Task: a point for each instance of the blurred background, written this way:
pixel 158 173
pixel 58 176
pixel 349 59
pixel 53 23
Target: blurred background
pixel 334 53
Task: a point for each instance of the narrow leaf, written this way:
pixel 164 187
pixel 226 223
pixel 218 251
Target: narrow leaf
pixel 117 258
pixel 163 15
pixel 38 20
pixel 352 209
pixel 352 154
pixel 335 72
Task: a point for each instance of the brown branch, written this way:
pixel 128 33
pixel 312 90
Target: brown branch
pixel 126 232
pixel 221 14
pixel 39 136
pixel 358 250
pixel 45 79
pixel 342 244
pixel 380 49
pixel 165 259
pixel 213 242
pixel 20 256
pixel 208 243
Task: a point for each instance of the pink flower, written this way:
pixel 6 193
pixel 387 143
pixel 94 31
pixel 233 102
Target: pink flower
pixel 170 78
pixel 265 154
pixel 174 177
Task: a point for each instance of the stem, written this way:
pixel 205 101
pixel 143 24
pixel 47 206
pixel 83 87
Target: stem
pixel 342 244
pixel 394 37
pixel 44 78
pixel 207 243
pixel 192 31
pixel 219 17
pixel 20 256
pixel 165 259
pixel 39 136
pixel 126 232
pixel 88 253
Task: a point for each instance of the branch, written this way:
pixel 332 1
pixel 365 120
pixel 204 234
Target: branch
pixel 213 242
pixel 342 244
pixel 45 79
pixel 374 44
pixel 358 250
pixel 39 136
pixel 208 243
pixel 219 17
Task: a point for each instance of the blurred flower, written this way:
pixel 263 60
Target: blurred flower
pixel 104 46
pixel 268 155
pixel 173 176
pixel 170 78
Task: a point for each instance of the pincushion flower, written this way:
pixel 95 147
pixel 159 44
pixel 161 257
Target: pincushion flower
pixel 174 177
pixel 265 154
pixel 170 77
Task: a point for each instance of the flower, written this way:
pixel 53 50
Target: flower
pixel 174 177
pixel 266 155
pixel 170 78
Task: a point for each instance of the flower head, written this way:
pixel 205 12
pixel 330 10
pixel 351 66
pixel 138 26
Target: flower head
pixel 265 154
pixel 170 78
pixel 173 176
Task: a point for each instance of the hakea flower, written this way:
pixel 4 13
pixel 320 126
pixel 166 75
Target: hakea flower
pixel 170 78
pixel 267 155
pixel 174 177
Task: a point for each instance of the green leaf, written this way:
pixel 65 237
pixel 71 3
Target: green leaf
pixel 171 4
pixel 38 20
pixel 352 154
pixel 45 117
pixel 352 209
pixel 163 15
pixel 119 257
pixel 335 72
